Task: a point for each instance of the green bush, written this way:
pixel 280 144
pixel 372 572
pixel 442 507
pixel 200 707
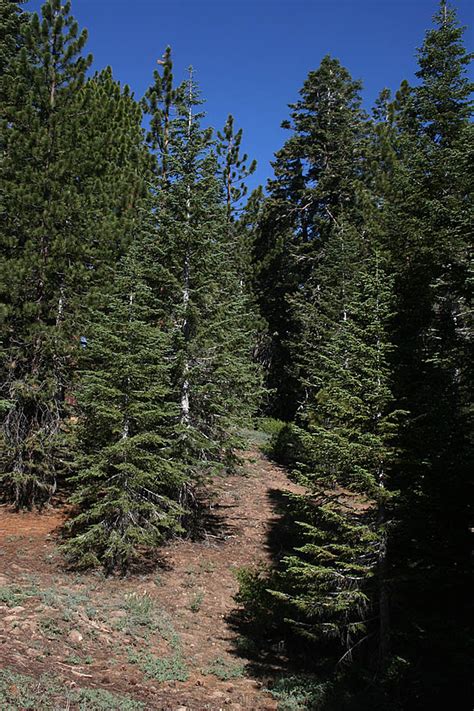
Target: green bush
pixel 298 693
pixel 253 595
pixel 270 425
pixel 164 669
pixel 223 670
pixel 286 446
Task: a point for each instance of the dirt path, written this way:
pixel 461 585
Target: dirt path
pixel 163 638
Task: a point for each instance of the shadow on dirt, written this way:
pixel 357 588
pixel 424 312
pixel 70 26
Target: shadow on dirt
pixel 259 639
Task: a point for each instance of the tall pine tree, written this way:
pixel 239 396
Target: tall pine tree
pixel 128 479
pixel 314 175
pixel 204 304
pixel 70 183
pixel 427 216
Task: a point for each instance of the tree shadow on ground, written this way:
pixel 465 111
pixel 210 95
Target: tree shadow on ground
pixel 282 534
pixel 260 640
pixel 206 520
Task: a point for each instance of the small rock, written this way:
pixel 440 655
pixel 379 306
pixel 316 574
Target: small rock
pixel 217 695
pixel 75 636
pixel 117 614
pixel 16 609
pixel 182 708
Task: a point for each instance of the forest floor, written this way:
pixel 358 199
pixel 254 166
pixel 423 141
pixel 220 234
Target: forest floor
pixel 162 640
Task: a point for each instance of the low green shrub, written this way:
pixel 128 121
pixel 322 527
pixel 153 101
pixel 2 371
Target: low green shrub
pixel 224 670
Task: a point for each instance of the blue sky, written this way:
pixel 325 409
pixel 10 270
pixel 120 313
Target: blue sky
pixel 252 56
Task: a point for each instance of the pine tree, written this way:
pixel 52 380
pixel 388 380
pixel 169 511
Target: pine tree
pixel 11 19
pixel 155 390
pixel 332 588
pixel 427 228
pixel 336 580
pixel 66 214
pixel 314 175
pixel 50 68
pixel 234 171
pixel 128 480
pixel 159 102
pixel 234 168
pixel 204 305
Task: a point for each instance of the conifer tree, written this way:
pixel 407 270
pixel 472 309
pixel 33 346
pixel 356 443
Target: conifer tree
pixel 241 219
pixel 62 222
pixel 128 480
pixel 11 19
pixel 234 168
pixel 332 587
pixel 50 69
pixel 204 305
pixel 314 175
pixel 336 580
pixel 234 172
pixel 159 102
pixel 427 229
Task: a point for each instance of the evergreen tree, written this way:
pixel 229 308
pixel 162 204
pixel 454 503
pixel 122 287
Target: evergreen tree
pixel 66 214
pixel 204 305
pixel 427 228
pixel 241 220
pixel 128 480
pixel 234 172
pixel 50 69
pixel 335 582
pixel 321 230
pixel 234 168
pixel 11 19
pixel 159 102
pixel 314 176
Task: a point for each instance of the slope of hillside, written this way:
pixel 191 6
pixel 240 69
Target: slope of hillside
pixel 159 640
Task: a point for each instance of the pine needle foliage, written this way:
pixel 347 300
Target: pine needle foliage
pixel 71 182
pixel 128 480
pixel 205 307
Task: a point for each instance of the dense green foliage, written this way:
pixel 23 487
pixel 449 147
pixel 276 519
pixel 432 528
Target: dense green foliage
pixel 128 326
pixel 363 270
pixel 128 480
pixel 67 177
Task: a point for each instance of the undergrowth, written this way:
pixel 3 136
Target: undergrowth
pixel 20 692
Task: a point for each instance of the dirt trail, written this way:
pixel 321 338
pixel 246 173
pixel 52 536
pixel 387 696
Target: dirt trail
pixel 161 638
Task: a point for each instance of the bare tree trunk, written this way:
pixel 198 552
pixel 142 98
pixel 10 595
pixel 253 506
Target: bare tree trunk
pixel 126 417
pixel 185 387
pixel 185 383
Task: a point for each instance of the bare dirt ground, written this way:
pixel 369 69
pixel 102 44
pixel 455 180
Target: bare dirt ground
pixel 155 641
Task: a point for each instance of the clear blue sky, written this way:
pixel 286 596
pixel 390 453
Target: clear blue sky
pixel 252 56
